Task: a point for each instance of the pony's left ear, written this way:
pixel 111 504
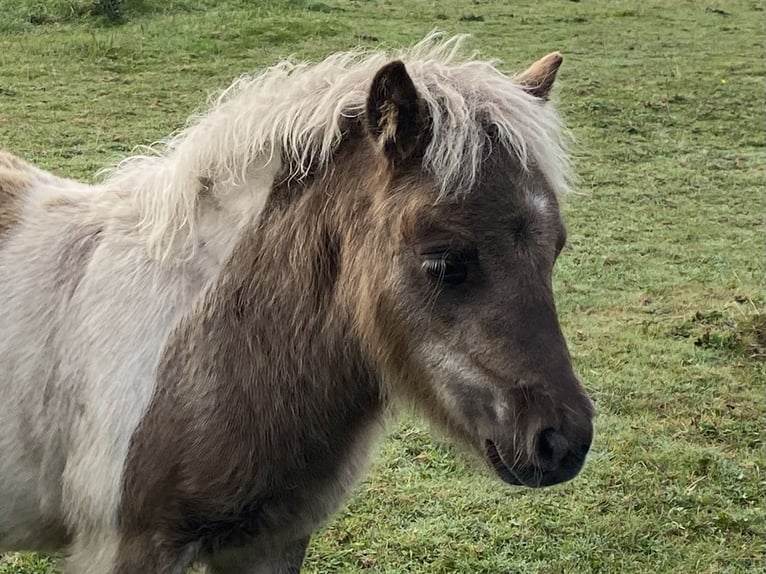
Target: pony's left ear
pixel 395 117
pixel 539 77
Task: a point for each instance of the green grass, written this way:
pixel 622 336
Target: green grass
pixel 660 290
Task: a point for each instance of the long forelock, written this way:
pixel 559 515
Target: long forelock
pixel 297 114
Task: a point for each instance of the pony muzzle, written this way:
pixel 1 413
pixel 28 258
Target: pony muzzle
pixel 555 456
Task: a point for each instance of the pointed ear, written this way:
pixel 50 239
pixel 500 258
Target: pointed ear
pixel 394 113
pixel 538 79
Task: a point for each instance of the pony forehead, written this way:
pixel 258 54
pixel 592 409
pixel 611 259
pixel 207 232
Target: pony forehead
pixel 466 97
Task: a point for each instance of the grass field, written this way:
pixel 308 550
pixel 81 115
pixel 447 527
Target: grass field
pixel 660 289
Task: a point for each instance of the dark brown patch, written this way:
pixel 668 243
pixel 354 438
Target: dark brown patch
pixel 262 390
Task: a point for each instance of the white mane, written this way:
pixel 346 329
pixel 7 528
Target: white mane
pixel 294 113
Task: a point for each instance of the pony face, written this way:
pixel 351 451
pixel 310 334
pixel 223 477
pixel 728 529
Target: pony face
pixel 477 342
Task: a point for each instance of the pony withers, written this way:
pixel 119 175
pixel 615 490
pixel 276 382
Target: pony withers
pixel 197 354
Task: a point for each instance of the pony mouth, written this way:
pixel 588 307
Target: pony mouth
pixel 502 470
pixel 529 475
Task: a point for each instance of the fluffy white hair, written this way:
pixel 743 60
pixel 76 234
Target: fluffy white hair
pixel 294 113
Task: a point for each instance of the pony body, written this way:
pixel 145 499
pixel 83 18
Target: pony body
pixel 198 353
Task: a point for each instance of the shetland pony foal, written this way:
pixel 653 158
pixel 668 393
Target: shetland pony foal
pixel 196 355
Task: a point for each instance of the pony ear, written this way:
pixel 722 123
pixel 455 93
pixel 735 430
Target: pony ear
pixel 538 79
pixel 394 114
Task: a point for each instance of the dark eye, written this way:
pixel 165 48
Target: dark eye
pixel 450 268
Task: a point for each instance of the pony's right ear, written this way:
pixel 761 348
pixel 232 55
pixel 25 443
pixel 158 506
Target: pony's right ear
pixel 395 116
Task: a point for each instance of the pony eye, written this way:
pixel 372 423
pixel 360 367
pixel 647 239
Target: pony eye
pixel 451 269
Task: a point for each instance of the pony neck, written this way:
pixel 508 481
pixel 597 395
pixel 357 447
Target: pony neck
pixel 276 331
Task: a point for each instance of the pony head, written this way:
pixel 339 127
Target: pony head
pixel 455 270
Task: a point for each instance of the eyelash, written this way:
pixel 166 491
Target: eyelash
pixel 447 267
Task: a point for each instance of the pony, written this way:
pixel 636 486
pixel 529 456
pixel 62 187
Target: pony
pixel 198 352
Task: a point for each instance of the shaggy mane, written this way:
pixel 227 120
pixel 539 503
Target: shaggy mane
pixel 294 113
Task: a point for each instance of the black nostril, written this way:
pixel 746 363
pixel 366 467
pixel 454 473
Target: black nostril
pixel 552 447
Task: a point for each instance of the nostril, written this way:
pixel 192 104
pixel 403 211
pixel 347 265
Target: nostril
pixel 552 446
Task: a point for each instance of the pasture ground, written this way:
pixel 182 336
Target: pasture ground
pixel 660 289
